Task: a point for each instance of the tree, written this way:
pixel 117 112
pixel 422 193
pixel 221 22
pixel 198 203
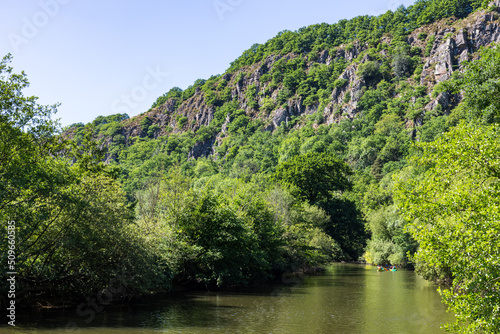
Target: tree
pixel 220 234
pixel 25 134
pixel 451 199
pixel 346 226
pixel 370 70
pixel 389 243
pixel 401 65
pixel 68 209
pixel 314 176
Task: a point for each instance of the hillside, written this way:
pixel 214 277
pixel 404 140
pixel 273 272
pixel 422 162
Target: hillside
pixel 329 82
pixel 356 83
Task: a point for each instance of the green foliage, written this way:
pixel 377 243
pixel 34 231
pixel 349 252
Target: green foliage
pixel 174 93
pixel 339 83
pixel 429 45
pixel 480 86
pixel 450 200
pixel 223 220
pixel 101 120
pixel 145 123
pixel 283 96
pixel 384 252
pixel 153 130
pixel 347 97
pixel 314 176
pixel 266 77
pixel 438 9
pixel 399 23
pixel 225 232
pixel 432 129
pixel 369 70
pixel 389 243
pixel 401 65
pixel 251 96
pixel 238 121
pixel 305 241
pixel 25 136
pixel 268 104
pixel 181 121
pixel 346 226
pixel 66 214
pixel 422 36
pixel 211 98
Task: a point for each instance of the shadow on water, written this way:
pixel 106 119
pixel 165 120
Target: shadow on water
pixel 345 299
pixel 170 311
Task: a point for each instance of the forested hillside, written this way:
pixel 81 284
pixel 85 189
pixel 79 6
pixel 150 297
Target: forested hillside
pixel 363 90
pixel 361 140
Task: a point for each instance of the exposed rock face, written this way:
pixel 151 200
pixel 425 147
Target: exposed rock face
pixel 449 54
pixel 345 99
pixel 484 31
pixel 462 48
pixel 323 56
pixel 442 99
pixel 439 65
pixel 280 116
pixel 442 61
pixel 196 109
pixel 450 50
pixel 202 149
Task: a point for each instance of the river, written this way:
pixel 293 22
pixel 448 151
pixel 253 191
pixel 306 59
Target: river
pixel 345 299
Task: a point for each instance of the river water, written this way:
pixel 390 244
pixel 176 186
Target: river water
pixel 345 299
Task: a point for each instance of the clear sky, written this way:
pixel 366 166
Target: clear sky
pixel 109 56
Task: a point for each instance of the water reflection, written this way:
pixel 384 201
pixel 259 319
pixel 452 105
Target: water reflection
pixel 346 299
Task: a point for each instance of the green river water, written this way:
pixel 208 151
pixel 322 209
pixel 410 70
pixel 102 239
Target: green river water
pixel 345 299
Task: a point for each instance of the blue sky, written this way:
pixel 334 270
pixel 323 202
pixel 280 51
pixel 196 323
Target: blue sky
pixel 103 57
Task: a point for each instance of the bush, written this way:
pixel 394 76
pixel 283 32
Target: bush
pixel 268 104
pixel 181 121
pixel 153 130
pixel 430 44
pixel 401 66
pixel 369 70
pixel 347 97
pixel 340 83
pixel 422 36
pixel 145 123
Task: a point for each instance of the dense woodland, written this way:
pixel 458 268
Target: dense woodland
pixel 389 182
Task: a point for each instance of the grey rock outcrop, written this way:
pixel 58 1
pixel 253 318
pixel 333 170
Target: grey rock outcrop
pixel 443 99
pixel 450 54
pixel 202 149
